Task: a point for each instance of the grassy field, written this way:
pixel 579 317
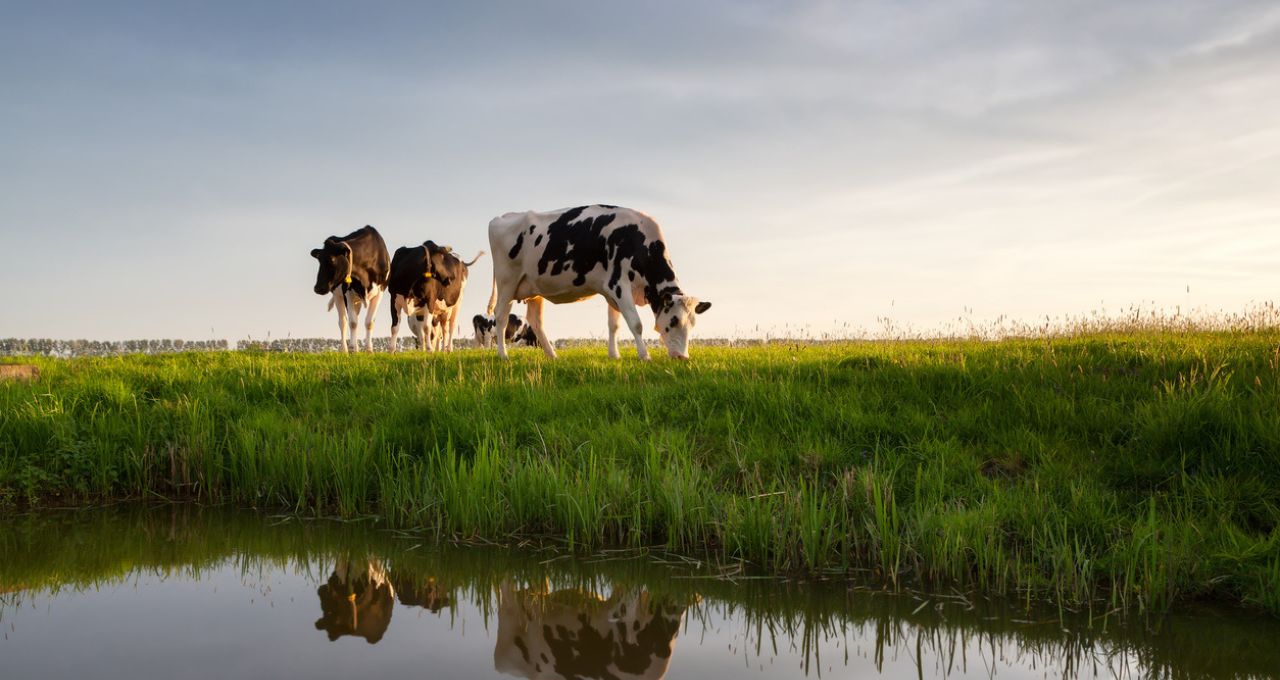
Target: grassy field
pixel 1137 468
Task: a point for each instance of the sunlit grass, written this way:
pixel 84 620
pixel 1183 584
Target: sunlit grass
pixel 1140 466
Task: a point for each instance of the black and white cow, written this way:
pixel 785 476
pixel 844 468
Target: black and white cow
pixel 517 330
pixel 572 254
pixel 576 634
pixel 427 283
pixel 353 271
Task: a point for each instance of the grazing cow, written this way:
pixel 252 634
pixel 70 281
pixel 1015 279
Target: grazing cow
pixel 357 600
pixel 353 270
pixel 427 283
pixel 517 330
pixel 573 634
pixel 569 255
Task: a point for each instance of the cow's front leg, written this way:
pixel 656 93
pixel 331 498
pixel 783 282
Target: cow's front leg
pixel 627 307
pixel 534 319
pixel 397 304
pixel 415 326
pixel 500 316
pixel 353 316
pixel 340 303
pixel 614 318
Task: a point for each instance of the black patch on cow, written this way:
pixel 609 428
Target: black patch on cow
pixel 515 250
pixel 582 246
pixel 537 241
pixel 524 649
pixel 606 206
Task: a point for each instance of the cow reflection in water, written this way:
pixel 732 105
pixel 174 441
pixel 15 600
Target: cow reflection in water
pixel 573 634
pixel 357 600
pixel 416 591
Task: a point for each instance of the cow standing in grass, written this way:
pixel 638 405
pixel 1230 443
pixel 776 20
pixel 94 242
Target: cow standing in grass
pixel 427 283
pixel 572 254
pixel 353 271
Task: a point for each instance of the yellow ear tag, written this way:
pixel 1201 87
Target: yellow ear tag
pixel 348 279
pixel 351 597
pixel 426 275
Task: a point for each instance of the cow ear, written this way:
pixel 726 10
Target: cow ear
pixel 701 307
pixel 316 253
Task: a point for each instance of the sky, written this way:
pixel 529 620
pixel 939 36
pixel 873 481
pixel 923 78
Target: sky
pixel 816 167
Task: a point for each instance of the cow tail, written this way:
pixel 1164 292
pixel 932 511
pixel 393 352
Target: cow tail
pixel 475 259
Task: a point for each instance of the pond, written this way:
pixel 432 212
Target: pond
pixel 189 592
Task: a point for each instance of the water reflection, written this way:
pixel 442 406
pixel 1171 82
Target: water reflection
pixel 356 600
pixel 415 590
pixel 574 633
pixel 108 578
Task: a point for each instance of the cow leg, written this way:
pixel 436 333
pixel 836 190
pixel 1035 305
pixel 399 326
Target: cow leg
pixel 627 307
pixel 500 315
pixel 534 319
pixel 614 317
pixel 396 302
pixel 341 304
pixel 353 316
pixel 415 325
pixel 374 300
pixel 453 322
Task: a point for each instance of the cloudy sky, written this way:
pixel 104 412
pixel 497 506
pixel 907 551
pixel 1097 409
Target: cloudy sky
pixel 166 167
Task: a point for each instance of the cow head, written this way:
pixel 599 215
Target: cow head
pixel 676 314
pixel 335 265
pixel 437 258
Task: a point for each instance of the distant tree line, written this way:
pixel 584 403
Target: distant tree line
pixel 101 348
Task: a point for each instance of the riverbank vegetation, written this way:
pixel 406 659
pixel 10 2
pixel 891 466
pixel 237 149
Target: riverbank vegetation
pixel 1130 469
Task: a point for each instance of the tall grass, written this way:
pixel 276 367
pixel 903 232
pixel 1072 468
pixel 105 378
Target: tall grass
pixel 1138 467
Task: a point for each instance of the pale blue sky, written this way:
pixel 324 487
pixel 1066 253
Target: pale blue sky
pixel 166 167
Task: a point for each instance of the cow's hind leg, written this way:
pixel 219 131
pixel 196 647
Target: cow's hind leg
pixel 614 318
pixel 534 319
pixel 374 300
pixel 627 307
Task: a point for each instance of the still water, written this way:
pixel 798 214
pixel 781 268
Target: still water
pixel 184 592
